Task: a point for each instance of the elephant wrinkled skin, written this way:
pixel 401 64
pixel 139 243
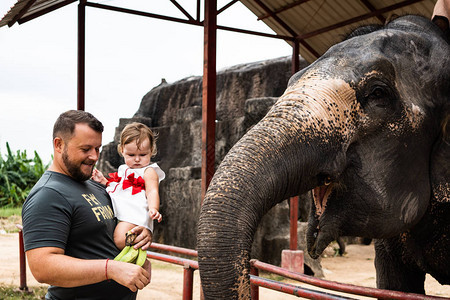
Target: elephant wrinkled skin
pixel 366 129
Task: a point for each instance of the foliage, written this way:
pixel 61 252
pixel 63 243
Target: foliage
pixel 8 292
pixel 6 212
pixel 18 174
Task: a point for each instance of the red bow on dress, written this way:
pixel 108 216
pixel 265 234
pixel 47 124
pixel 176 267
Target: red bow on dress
pixel 113 177
pixel 138 184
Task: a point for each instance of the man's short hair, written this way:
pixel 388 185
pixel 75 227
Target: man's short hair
pixel 65 124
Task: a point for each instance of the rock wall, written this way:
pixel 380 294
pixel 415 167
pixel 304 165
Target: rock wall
pixel 244 95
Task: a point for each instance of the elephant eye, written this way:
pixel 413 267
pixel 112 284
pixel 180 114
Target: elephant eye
pixel 378 93
pixel 379 96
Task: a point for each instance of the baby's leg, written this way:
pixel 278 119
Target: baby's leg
pixel 120 233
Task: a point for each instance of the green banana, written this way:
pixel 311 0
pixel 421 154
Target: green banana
pixel 130 256
pixel 141 257
pixel 122 253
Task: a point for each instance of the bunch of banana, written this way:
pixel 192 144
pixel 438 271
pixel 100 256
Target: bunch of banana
pixel 131 255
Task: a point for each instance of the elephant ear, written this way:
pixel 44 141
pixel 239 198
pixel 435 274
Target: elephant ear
pixel 443 23
pixel 440 162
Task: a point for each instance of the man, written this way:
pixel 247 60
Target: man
pixel 68 222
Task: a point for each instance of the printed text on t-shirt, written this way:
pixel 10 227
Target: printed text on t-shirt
pixel 104 211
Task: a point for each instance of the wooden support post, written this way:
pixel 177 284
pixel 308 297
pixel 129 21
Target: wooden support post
pixel 209 95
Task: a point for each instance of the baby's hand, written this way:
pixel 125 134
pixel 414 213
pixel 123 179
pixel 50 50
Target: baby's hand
pixel 98 176
pixel 154 214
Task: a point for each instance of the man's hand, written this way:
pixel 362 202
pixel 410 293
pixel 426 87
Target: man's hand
pixel 130 275
pixel 148 266
pixel 143 239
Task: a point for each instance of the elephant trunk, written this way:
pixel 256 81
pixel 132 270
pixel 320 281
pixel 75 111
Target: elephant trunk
pixel 278 158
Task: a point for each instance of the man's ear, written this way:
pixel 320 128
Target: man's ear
pixel 58 144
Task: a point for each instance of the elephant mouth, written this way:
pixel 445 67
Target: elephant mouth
pixel 320 196
pixel 318 238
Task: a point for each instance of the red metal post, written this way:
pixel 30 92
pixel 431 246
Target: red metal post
pixel 293 213
pixel 23 263
pixel 209 94
pixel 81 54
pixel 254 289
pixel 293 259
pixel 188 282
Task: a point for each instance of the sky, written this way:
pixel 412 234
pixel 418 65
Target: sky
pixel 126 56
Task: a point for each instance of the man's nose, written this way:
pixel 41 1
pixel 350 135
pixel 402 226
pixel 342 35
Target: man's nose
pixel 94 154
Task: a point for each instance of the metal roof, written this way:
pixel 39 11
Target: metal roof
pixel 25 10
pixel 315 24
pixel 318 24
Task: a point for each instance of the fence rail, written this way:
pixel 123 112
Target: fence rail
pixel 190 266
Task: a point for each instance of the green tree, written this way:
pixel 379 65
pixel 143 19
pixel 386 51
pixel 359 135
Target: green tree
pixel 18 174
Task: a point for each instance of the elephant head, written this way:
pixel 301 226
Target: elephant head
pixel 358 127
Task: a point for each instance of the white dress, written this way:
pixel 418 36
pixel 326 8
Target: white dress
pixel 128 198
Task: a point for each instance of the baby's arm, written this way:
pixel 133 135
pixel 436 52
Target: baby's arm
pixel 98 177
pixel 152 193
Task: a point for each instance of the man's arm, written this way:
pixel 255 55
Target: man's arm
pixel 50 265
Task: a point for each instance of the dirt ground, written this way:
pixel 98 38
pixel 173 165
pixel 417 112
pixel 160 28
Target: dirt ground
pixel 355 267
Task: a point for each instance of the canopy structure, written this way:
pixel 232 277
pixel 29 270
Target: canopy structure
pixel 310 26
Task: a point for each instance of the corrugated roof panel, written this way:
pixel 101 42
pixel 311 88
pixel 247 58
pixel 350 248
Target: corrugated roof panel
pixel 38 6
pixel 14 10
pixel 41 5
pixel 314 15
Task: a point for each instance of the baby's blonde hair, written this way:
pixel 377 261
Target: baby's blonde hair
pixel 137 132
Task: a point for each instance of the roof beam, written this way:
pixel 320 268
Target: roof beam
pixel 190 22
pixel 21 13
pixel 143 14
pixel 44 11
pixel 227 6
pixel 286 27
pixel 284 8
pixel 275 17
pixel 182 10
pixel 198 10
pixel 357 19
pixel 372 8
pixel 276 36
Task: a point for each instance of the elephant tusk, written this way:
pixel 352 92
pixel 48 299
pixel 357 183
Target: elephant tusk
pixel 320 195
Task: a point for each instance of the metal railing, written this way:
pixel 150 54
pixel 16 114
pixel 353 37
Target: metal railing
pixel 190 266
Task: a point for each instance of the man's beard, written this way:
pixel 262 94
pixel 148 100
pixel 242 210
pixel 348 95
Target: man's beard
pixel 73 169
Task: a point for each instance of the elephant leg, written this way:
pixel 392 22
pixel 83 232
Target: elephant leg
pixel 393 273
pixel 341 244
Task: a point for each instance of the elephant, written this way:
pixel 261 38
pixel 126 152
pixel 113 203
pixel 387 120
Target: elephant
pixel 366 129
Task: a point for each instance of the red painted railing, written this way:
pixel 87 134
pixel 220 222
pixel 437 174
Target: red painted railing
pixel 340 287
pixel 190 266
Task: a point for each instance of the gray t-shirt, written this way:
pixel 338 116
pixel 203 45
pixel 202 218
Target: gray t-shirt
pixel 77 217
